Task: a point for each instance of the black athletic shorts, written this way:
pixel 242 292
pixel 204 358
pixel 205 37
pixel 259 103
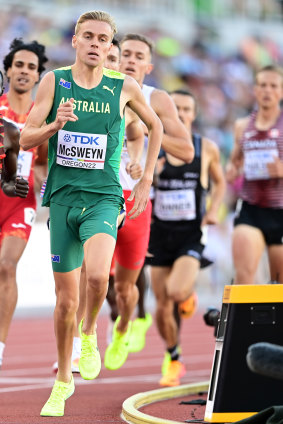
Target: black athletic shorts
pixel 268 220
pixel 168 243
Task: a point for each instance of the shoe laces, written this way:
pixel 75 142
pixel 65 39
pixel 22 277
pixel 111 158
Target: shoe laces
pixel 57 394
pixel 120 340
pixel 88 347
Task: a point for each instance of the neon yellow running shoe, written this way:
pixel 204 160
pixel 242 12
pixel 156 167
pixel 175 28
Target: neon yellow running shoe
pixel 167 360
pixel 117 352
pixel 90 361
pixel 165 363
pixel 138 333
pixel 55 405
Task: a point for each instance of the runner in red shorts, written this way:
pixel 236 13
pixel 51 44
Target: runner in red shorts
pixel 132 240
pixel 23 66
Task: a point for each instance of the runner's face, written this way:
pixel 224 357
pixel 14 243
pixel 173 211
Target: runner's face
pixel 113 59
pixel 268 89
pixel 186 108
pixel 23 74
pixel 93 42
pixel 135 59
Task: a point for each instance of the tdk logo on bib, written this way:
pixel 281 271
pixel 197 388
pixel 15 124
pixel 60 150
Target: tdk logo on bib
pixel 65 84
pixel 81 139
pixel 55 258
pixel 81 150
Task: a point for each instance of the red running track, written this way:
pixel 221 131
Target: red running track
pixel 26 377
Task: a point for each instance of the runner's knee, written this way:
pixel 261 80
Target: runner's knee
pixel 67 306
pixel 164 308
pixel 178 294
pixel 7 269
pixel 97 280
pixel 124 289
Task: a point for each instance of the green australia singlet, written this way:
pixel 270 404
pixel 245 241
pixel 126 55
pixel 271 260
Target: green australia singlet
pixel 84 157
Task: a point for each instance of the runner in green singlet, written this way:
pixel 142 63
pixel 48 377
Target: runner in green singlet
pixel 83 106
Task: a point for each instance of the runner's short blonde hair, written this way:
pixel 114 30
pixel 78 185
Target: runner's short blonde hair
pixel 96 15
pixel 270 68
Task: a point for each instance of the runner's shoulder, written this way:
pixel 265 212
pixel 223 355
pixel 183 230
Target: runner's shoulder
pixel 241 123
pixel 162 103
pixel 240 126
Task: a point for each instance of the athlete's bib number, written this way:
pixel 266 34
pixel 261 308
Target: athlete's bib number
pixel 175 205
pixel 255 163
pixel 81 150
pixel 24 163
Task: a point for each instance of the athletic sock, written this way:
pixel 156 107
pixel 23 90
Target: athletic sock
pixel 173 352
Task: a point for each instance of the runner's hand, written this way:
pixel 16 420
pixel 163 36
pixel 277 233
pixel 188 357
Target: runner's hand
pixel 275 168
pixel 64 114
pixel 231 172
pixel 21 187
pixel 141 195
pixel 134 169
pixel 210 218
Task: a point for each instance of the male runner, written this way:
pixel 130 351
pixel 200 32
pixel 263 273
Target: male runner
pixel 83 106
pixel 23 66
pixel 258 153
pixel 132 241
pixel 176 237
pixel 135 145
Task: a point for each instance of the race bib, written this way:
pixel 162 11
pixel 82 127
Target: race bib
pixel 255 162
pixel 81 150
pixel 175 205
pixel 24 164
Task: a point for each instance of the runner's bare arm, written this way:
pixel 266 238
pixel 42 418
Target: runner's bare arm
pixel 135 143
pixel 234 165
pixel 11 143
pixel 11 185
pixel 134 98
pixel 217 177
pixel 176 139
pixel 41 165
pixel 34 132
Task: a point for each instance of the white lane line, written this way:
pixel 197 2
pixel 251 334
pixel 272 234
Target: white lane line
pixel 26 371
pixel 24 388
pixel 41 383
pixel 132 362
pixel 79 382
pixel 26 380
